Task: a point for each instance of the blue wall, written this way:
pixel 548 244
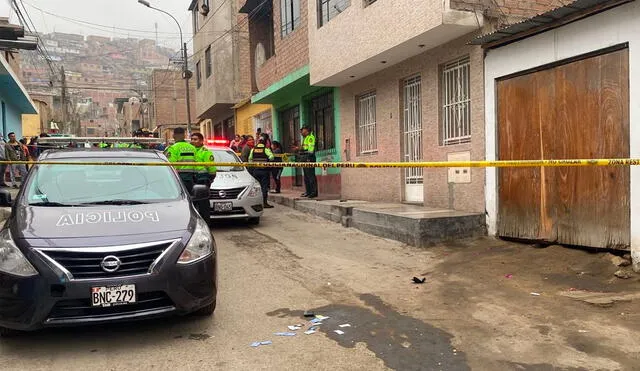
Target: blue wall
pixel 10 119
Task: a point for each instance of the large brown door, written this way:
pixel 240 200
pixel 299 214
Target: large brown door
pixel 575 110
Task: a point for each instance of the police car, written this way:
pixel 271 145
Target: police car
pixel 235 194
pixel 91 244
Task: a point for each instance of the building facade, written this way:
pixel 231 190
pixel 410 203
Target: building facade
pixel 14 101
pixel 415 93
pixel 221 65
pixel 168 100
pixel 568 89
pixel 279 55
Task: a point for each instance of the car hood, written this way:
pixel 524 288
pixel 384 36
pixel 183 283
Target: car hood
pixel 232 179
pixel 110 222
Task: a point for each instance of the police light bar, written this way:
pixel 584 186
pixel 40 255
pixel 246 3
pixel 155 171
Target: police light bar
pixel 218 141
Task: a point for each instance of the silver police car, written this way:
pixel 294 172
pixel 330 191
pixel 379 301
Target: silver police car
pixel 235 194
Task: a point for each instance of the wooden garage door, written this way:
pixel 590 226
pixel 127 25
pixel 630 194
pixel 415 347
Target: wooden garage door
pixel 576 110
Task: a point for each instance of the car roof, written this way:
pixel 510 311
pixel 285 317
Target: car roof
pixel 123 153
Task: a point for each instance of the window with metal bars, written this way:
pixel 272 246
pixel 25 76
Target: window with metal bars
pixel 456 102
pixel 289 16
pixel 207 61
pixel 329 9
pixel 322 121
pixel 366 118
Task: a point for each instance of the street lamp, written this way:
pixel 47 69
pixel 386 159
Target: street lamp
pixel 186 74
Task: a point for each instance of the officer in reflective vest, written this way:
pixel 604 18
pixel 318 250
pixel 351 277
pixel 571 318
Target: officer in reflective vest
pixel 204 174
pixel 183 151
pixel 260 153
pixel 308 154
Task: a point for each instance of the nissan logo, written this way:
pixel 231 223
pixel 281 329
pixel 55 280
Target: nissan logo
pixel 222 194
pixel 110 264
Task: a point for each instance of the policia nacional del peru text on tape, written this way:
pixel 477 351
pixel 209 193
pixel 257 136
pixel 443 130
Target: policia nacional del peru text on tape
pixel 349 165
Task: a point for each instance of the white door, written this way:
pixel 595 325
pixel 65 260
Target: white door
pixel 413 177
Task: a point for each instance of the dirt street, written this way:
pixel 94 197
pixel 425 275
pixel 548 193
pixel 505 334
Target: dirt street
pixel 485 305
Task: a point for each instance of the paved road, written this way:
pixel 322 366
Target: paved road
pixel 272 273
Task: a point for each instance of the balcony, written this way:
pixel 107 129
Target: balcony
pixel 367 37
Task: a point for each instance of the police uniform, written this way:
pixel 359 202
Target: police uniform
pixel 204 175
pixel 183 151
pixel 260 153
pixel 308 154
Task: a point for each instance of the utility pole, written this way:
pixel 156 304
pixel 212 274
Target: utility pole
pixel 186 75
pixel 64 96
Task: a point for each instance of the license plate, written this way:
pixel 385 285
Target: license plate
pixel 109 296
pixel 222 206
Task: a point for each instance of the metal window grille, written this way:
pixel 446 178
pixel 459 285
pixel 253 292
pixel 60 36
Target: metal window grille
pixel 208 62
pixel 329 9
pixel 412 117
pixel 198 74
pixel 367 138
pixel 456 102
pixel 289 16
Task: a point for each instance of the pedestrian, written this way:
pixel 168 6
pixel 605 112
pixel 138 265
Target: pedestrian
pixel 25 150
pixel 262 154
pixel 267 141
pixel 3 167
pixel 183 151
pixel 34 150
pixel 204 174
pixel 235 143
pixel 276 172
pixel 307 153
pixel 14 151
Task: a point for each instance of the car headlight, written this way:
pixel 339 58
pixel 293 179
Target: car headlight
pixel 255 191
pixel 200 245
pixel 12 260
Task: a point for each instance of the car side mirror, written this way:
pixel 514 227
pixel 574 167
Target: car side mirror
pixel 200 192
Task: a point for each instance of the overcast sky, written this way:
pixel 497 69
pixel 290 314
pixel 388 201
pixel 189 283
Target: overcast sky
pixel 121 14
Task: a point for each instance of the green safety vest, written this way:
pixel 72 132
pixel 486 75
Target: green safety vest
pixel 203 154
pixel 104 145
pixel 261 154
pixel 309 143
pixel 182 152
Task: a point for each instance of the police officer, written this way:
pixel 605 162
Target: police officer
pixel 183 151
pixel 261 154
pixel 204 174
pixel 308 154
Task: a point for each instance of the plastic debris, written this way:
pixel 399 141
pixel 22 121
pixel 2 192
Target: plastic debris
pixel 258 343
pixel 285 334
pixel 294 327
pixel 316 320
pixel 419 281
pixel 339 332
pixel 311 330
pixel 309 314
pixel 345 325
pixel 508 276
pixel 535 294
pixel 321 317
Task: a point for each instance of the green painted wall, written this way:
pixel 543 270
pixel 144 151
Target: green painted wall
pixel 295 90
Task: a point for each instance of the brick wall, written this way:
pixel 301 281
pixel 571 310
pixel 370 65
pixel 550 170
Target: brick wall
pixel 508 11
pixel 388 183
pixel 291 51
pixel 166 84
pixel 244 58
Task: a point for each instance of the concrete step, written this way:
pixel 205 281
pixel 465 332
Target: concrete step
pixel 414 225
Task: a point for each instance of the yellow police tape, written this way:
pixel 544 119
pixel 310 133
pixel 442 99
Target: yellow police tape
pixel 434 164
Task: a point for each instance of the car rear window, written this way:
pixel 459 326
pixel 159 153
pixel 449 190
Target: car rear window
pixel 92 183
pixel 226 156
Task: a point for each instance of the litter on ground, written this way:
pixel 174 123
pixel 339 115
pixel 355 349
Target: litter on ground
pixel 285 334
pixel 339 332
pixel 258 343
pixel 345 325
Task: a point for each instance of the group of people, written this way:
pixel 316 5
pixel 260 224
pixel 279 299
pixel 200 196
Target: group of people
pixel 17 150
pixel 265 151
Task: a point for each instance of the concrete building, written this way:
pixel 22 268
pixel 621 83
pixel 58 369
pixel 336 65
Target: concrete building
pixel 221 65
pixel 168 97
pixel 566 86
pixel 411 89
pixel 279 54
pixel 14 101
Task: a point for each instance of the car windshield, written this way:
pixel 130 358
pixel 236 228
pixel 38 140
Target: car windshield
pixel 60 185
pixel 226 156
